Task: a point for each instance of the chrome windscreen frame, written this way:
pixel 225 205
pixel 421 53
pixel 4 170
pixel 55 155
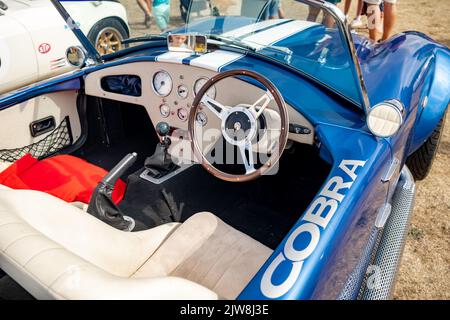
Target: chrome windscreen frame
pixel 343 25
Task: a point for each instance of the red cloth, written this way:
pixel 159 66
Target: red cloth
pixel 66 177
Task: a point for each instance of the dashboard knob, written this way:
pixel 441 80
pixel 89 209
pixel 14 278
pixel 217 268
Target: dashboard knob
pixel 162 128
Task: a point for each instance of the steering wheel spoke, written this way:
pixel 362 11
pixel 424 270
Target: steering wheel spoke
pixel 247 160
pixel 262 103
pixel 216 107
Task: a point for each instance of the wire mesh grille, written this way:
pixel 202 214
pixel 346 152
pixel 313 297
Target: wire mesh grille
pixel 58 139
pixel 392 242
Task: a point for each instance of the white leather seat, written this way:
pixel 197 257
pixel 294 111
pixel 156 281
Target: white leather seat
pixel 55 252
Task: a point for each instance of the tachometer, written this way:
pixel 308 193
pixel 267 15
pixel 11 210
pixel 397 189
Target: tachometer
pixel 200 83
pixel 162 83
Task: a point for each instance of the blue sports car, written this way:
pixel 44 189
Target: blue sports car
pixel 234 156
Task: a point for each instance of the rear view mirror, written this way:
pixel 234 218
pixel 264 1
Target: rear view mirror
pixel 76 56
pixel 186 43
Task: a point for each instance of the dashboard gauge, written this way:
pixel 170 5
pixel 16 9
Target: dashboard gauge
pixel 182 91
pixel 162 83
pixel 182 114
pixel 200 83
pixel 202 118
pixel 164 109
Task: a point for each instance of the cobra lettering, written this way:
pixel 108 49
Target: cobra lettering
pixel 317 216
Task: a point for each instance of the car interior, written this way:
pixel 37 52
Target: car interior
pixel 175 224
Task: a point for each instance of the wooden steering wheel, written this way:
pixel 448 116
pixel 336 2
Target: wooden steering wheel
pixel 241 126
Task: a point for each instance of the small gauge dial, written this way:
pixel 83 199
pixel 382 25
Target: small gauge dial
pixel 200 83
pixel 164 109
pixel 182 114
pixel 202 118
pixel 182 91
pixel 162 83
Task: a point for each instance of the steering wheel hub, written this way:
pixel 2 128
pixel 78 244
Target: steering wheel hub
pixel 238 126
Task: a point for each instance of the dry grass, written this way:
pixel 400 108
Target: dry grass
pixel 425 268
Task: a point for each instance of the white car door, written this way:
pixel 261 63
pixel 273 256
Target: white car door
pixel 18 62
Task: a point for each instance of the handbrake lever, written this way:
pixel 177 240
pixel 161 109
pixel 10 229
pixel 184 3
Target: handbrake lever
pixel 102 206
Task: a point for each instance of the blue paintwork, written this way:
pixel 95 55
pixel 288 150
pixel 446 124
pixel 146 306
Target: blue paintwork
pixel 344 238
pixel 408 67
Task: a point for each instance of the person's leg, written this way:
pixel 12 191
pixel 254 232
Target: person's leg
pixel 359 8
pixel 347 5
pixel 374 19
pixel 328 20
pixel 390 18
pixel 273 9
pixel 281 14
pixel 357 23
pixel 312 14
pixel 146 8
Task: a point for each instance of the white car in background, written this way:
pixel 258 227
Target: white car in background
pixel 34 38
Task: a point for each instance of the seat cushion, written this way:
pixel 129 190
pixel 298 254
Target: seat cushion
pixel 66 177
pixel 207 251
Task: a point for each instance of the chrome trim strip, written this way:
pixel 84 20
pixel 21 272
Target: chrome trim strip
pixel 391 170
pixel 383 214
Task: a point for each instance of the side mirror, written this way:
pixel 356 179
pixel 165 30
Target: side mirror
pixel 186 43
pixel 76 56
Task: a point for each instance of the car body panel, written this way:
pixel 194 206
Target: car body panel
pixel 17 55
pixel 409 67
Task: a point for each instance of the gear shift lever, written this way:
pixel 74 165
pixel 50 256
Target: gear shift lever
pixel 160 163
pixel 102 206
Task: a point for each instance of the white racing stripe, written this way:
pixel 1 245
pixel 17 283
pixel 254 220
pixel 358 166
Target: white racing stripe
pixel 242 31
pixel 277 33
pixel 173 57
pixel 215 60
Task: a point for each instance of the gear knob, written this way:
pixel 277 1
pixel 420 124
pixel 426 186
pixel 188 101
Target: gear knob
pixel 162 128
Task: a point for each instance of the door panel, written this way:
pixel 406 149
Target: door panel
pixel 16 135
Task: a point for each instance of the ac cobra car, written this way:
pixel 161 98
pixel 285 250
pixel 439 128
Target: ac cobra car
pixel 233 157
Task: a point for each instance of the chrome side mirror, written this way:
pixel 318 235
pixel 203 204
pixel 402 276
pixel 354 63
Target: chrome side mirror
pixel 76 56
pixel 186 43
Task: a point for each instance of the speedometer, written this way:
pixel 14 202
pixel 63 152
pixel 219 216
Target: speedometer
pixel 162 83
pixel 200 83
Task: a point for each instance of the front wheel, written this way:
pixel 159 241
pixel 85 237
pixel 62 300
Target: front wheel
pixel 421 161
pixel 107 36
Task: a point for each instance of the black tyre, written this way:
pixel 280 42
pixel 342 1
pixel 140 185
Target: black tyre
pixel 421 161
pixel 107 35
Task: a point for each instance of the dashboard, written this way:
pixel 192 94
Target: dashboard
pixel 167 91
